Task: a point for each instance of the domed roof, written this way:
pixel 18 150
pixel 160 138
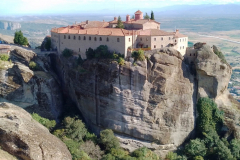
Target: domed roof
pixel 138 12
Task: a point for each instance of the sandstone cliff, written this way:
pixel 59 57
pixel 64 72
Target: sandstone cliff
pixel 35 91
pixel 25 138
pixel 9 25
pixel 149 103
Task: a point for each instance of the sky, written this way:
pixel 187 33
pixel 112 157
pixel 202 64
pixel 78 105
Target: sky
pixel 26 7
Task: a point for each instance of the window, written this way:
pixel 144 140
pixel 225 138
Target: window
pixel 84 38
pixel 79 38
pixel 155 39
pixel 69 37
pixel 100 39
pixel 146 39
pixel 118 40
pixel 169 38
pixel 146 46
pixel 129 39
pixel 95 38
pixel 74 37
pixel 154 46
pixel 107 39
pixel 162 38
pixel 79 49
pixel 180 47
pixel 194 55
pixel 175 40
pixel 90 38
pixel 190 55
pixel 140 39
pixel 180 40
pixel 161 46
pixel 64 36
pixel 183 47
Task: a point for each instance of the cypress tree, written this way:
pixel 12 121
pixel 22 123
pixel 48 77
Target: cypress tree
pixel 152 16
pixel 119 23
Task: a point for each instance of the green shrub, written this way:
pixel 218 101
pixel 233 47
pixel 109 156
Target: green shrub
pixel 108 140
pixel 195 148
pixel 235 148
pixel 138 55
pixel 121 61
pixel 210 117
pixel 90 137
pixel 171 156
pixel 33 65
pixel 50 124
pixel 19 38
pixel 144 153
pixel 76 153
pixel 221 56
pixel 79 60
pixel 74 129
pixel 198 158
pixel 4 57
pixel 92 150
pixel 67 52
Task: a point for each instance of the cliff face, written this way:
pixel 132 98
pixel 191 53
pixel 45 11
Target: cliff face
pixel 149 101
pixel 152 101
pixel 9 25
pixel 213 77
pixel 26 139
pixel 35 91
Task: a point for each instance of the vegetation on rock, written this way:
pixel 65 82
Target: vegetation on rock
pixel 48 43
pixel 19 38
pixel 67 52
pixel 146 16
pixel 221 56
pixel 50 124
pixel 33 66
pixel 4 57
pixel 138 55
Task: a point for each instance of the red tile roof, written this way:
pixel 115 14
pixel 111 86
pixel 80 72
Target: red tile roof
pixel 138 12
pixel 141 21
pixel 93 24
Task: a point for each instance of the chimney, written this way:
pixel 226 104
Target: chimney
pixel 87 21
pixel 177 31
pixel 127 18
pixel 115 18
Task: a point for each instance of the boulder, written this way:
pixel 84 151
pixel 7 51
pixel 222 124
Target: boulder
pixel 25 138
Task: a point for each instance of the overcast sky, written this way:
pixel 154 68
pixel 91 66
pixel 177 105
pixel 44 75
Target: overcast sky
pixel 10 7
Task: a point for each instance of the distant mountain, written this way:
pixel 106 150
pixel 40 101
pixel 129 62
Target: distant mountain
pixel 206 9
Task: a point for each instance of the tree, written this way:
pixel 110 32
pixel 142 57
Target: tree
pixel 138 55
pixel 195 148
pixel 133 17
pixel 4 57
pixel 108 140
pixel 48 43
pixel 119 23
pixel 19 38
pixel 67 52
pixel 152 16
pixel 146 16
pixel 235 148
pixel 144 153
pixel 92 150
pixel 50 124
pixel 75 129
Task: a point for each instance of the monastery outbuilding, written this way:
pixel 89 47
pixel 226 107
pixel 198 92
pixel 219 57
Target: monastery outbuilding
pixel 137 33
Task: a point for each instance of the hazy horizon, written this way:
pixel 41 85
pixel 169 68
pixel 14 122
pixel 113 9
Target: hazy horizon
pixel 63 7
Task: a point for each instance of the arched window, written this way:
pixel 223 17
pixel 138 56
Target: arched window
pixel 95 38
pixel 180 40
pixel 169 38
pixel 190 54
pixel 64 36
pixel 100 39
pixel 79 38
pixel 162 38
pixel 140 39
pixel 74 37
pixel 69 37
pixel 107 39
pixel 118 40
pixel 90 38
pixel 129 39
pixel 194 55
pixel 84 38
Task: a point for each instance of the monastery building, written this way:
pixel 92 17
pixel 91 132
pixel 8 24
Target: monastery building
pixel 137 33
